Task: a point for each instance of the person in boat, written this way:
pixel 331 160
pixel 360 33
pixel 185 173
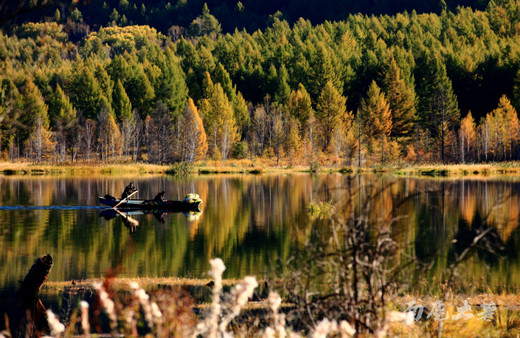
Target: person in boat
pixel 160 197
pixel 129 189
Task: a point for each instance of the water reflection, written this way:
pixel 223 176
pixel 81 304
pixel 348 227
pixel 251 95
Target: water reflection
pixel 249 221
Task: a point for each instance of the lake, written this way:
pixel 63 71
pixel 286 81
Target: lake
pixel 251 222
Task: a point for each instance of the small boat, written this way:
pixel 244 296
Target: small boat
pixel 190 203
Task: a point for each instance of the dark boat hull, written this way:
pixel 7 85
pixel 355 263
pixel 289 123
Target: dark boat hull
pixel 179 206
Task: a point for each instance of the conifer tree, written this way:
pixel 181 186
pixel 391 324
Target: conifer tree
pixel 401 98
pixel 438 107
pixel 300 106
pixel 61 111
pixel 205 24
pixel 140 92
pixel 207 86
pixel 85 92
pixel 118 69
pixel 322 71
pixel 503 122
pixel 194 144
pixel 11 109
pixel 57 16
pixel 220 75
pixel 241 113
pixel 283 91
pixel 171 86
pixel 377 115
pixel 104 82
pixel 219 122
pixel 121 103
pixel 34 118
pixel 63 118
pixel 330 112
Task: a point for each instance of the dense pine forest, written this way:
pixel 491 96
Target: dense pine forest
pixel 342 83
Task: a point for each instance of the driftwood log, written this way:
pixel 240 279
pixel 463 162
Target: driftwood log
pixel 31 317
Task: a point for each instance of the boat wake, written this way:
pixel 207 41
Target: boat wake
pixel 49 207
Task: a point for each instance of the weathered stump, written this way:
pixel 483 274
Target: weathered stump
pixel 31 316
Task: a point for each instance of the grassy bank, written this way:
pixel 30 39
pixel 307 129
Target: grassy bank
pixel 256 167
pixel 484 314
pixel 81 169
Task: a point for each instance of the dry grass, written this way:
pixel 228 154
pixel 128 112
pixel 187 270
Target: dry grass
pixel 122 283
pixel 182 312
pixel 81 169
pixel 503 321
pixel 256 166
pixel 449 170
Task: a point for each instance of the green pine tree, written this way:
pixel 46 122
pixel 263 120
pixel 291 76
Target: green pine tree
pixel 61 111
pixel 330 112
pixel 300 106
pixel 121 103
pixel 438 107
pixel 220 75
pixel 85 92
pixel 401 98
pixel 140 91
pixel 377 116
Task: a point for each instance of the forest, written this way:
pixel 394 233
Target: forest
pixel 362 86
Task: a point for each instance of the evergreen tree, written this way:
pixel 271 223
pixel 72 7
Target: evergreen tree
pixel 104 81
pixel 57 16
pixel 241 113
pixel 63 119
pixel 330 112
pixel 85 92
pixel 323 71
pixel 171 86
pixel 118 69
pixel 205 24
pixel 377 115
pixel 438 107
pixel 506 125
pixel 140 92
pixel 283 91
pixel 219 122
pixel 401 98
pixel 300 106
pixel 34 113
pixel 121 103
pixel 10 109
pixel 221 76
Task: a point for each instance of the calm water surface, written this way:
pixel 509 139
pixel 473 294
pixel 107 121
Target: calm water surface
pixel 251 222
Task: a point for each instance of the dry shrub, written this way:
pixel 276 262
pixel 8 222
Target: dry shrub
pixel 348 267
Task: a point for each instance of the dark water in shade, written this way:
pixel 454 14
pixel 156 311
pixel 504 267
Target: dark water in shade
pixel 251 222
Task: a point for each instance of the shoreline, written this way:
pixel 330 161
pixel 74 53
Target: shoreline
pixel 256 168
